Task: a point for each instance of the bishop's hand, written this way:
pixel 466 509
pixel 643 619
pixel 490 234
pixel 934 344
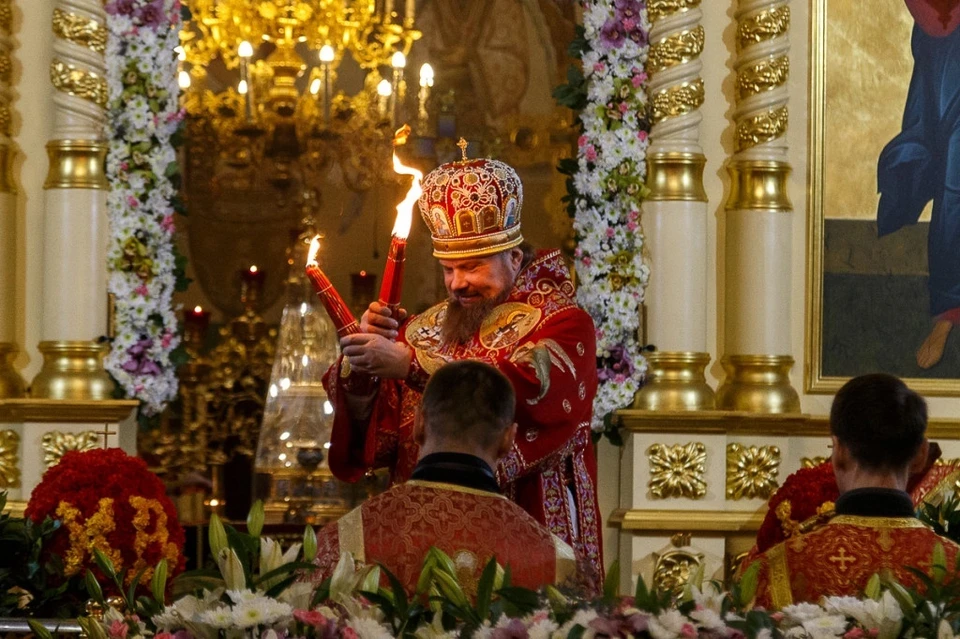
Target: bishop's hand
pixel 378 319
pixel 376 355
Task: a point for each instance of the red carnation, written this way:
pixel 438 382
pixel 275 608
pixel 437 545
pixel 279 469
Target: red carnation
pixel 108 500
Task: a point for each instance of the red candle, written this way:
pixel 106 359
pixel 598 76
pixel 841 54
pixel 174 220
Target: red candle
pixel 195 323
pixel 391 287
pixel 343 319
pixel 252 280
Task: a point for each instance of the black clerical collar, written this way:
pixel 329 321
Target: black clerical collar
pixel 457 468
pixel 875 502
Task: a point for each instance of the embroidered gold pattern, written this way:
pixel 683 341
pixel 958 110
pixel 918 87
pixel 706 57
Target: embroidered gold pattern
pixel 55 444
pixel 752 471
pixel 780 591
pixel 9 459
pixel 350 534
pixel 82 31
pixel 542 357
pixel 677 470
pixel 675 49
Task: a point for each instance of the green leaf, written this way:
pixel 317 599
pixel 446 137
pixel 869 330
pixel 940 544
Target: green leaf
pixel 523 600
pixel 321 594
pixel 309 543
pixel 93 587
pixel 285 570
pixel 132 591
pixel 91 627
pixel 104 563
pixel 873 587
pixel 255 519
pixel 400 601
pixel 217 535
pixel 611 585
pixel 39 629
pixel 749 582
pixel 485 589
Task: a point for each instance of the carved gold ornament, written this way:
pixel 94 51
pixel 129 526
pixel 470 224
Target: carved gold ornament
pixel 677 100
pixel 943 461
pixel 6 16
pixel 676 566
pixel 675 49
pixel 80 30
pixel 762 127
pixel 677 470
pixel 812 462
pixel 762 75
pixel 752 471
pixel 658 9
pixel 55 444
pixel 9 459
pixel 763 26
pixel 79 82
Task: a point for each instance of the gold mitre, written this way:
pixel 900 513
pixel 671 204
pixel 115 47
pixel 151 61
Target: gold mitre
pixel 472 207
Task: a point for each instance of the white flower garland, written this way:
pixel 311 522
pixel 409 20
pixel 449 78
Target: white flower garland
pixel 143 113
pixel 609 188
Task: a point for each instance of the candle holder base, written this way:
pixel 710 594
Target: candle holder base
pixel 758 384
pixel 73 370
pixel 676 381
pixel 11 384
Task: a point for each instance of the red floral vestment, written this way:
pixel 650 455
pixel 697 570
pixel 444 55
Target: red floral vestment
pixel 398 527
pixel 546 345
pixel 840 557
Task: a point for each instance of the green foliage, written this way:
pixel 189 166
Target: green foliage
pixel 943 518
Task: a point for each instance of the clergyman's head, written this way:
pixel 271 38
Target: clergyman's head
pixel 474 286
pixel 878 428
pixel 467 407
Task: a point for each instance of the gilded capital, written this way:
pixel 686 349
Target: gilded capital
pixel 76 164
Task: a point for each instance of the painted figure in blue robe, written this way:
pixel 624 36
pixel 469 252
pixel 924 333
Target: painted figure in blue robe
pixel 922 163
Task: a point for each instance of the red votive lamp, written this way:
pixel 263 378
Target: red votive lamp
pixel 343 319
pixel 391 287
pixel 251 280
pixel 195 323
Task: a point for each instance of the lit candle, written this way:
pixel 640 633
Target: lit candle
pixel 384 91
pixel 245 51
pixel 343 319
pixel 327 55
pixel 195 323
pixel 252 280
pixel 392 284
pixel 426 81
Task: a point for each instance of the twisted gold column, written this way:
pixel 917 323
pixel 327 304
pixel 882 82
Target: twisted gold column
pixel 75 228
pixel 11 384
pixel 758 222
pixel 675 213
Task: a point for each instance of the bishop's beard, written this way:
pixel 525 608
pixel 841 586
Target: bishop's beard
pixel 461 322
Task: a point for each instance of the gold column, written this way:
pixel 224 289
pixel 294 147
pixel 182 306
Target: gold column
pixel 75 220
pixel 758 221
pixel 675 214
pixel 11 384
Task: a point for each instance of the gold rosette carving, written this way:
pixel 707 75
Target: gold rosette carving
pixel 752 471
pixel 677 470
pixel 9 459
pixel 56 444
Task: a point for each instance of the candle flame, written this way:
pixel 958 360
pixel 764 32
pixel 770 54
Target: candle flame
pixel 253 269
pixel 198 309
pixel 314 249
pixel 401 228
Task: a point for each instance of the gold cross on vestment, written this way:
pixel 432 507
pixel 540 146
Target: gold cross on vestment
pixel 842 559
pixel 106 432
pixel 463 148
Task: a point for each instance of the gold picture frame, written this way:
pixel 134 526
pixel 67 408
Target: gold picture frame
pixel 828 88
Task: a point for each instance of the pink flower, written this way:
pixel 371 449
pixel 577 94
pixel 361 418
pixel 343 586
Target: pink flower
pixel 166 339
pixel 854 633
pixel 118 629
pixel 777 616
pixel 599 67
pixel 642 136
pixel 636 81
pixel 610 232
pixel 587 261
pixel 632 226
pixel 163 635
pixel 167 223
pixel 590 153
pixel 310 617
pixel 633 216
pixel 142 290
pixel 582 141
pixel 629 23
pixel 350 633
pixel 623 107
pixel 688 630
pixel 132 201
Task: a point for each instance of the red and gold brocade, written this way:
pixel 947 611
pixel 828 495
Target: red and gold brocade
pixel 398 527
pixel 841 556
pixel 546 345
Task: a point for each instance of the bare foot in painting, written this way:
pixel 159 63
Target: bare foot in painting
pixel 931 350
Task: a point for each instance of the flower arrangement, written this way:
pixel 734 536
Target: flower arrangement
pixel 605 188
pixel 108 501
pixel 142 266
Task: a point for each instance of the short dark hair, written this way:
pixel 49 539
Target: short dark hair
pixel 880 420
pixel 468 401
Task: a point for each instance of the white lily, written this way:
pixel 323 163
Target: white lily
pixel 231 569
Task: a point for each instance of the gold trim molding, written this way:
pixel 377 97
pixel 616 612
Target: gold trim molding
pixel 56 444
pixel 677 470
pixel 762 76
pixel 80 30
pixel 15 411
pixel 659 9
pixel 763 26
pixel 752 471
pixel 675 177
pixel 676 381
pixel 677 100
pixel 76 164
pixel 9 459
pixel 676 48
pixel 82 83
pixel 73 370
pixel 762 127
pixel 759 185
pixel 640 521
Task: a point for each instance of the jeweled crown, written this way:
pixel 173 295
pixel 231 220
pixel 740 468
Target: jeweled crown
pixel 472 207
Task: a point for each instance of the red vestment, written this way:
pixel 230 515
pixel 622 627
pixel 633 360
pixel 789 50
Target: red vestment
pixel 398 527
pixel 840 557
pixel 546 345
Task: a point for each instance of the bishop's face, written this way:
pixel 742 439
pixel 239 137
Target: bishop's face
pixel 473 280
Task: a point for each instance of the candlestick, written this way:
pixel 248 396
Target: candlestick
pixel 408 13
pixel 251 285
pixel 426 81
pixel 195 323
pixel 399 63
pixel 384 91
pixel 327 55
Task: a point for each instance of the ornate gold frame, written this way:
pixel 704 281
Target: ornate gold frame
pixel 814 379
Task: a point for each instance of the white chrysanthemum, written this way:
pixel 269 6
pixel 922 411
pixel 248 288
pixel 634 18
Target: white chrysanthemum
pixel 825 626
pixel 221 617
pixel 367 628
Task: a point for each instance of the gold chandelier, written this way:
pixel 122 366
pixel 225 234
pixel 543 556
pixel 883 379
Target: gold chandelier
pixel 262 75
